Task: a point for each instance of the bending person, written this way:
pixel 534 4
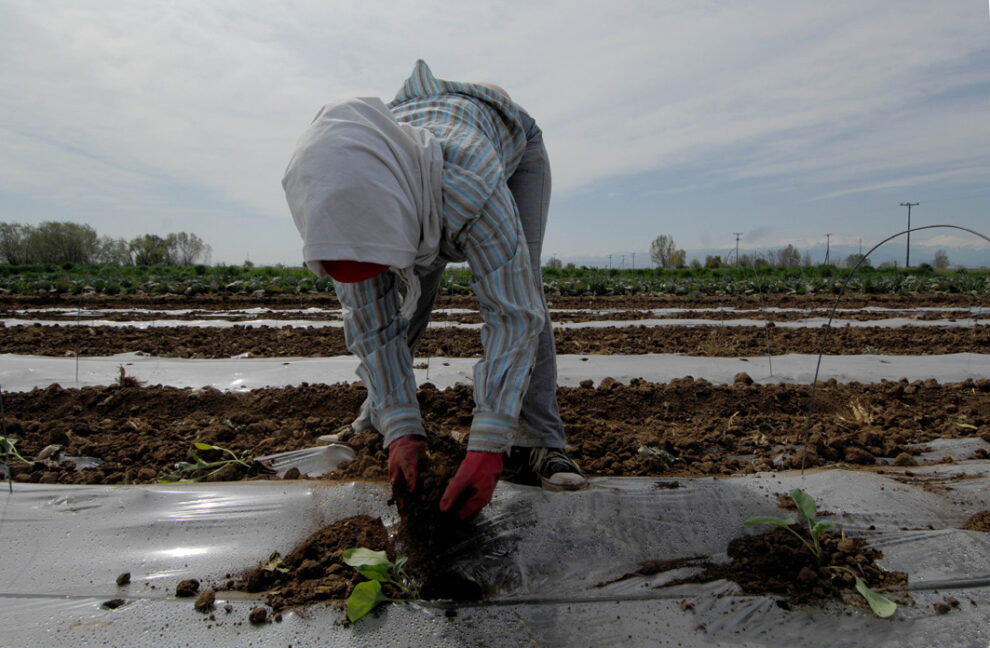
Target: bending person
pixel 384 197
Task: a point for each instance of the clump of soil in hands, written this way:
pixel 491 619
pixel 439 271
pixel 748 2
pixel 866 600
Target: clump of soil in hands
pixel 426 535
pixel 315 571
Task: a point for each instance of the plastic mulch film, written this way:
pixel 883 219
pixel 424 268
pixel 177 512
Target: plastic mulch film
pixel 540 555
pixel 23 373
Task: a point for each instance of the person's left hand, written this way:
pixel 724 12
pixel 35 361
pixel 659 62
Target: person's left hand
pixel 471 488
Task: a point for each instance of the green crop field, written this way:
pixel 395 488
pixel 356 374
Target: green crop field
pixel 74 279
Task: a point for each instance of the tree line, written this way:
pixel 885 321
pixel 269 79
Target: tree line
pixel 664 253
pixel 64 242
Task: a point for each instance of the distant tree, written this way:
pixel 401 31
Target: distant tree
pixel 14 243
pixel 569 266
pixel 62 242
pixel 662 250
pixel 678 259
pixel 149 249
pixel 790 257
pixel 941 259
pixel 696 264
pixel 113 251
pixel 853 259
pixel 187 249
pixel 785 257
pixel 713 261
pixel 757 260
pixel 554 262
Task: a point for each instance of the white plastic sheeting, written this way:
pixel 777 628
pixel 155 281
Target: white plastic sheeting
pixel 542 552
pixel 809 322
pixel 23 373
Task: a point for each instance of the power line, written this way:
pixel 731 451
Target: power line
pixel 907 259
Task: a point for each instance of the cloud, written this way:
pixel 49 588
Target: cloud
pixel 972 175
pixel 130 105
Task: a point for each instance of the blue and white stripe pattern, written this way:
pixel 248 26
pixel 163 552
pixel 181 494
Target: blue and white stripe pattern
pixel 482 137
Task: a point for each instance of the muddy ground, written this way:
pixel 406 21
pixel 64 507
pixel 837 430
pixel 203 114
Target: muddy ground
pixel 265 341
pixel 11 303
pixel 137 434
pixel 686 427
pixel 271 341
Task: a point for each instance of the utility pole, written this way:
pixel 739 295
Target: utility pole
pixel 907 259
pixel 634 260
pixel 610 262
pixel 738 234
pixel 828 241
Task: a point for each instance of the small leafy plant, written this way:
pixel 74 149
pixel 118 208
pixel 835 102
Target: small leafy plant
pixel 8 451
pixel 379 570
pixel 198 464
pixel 881 605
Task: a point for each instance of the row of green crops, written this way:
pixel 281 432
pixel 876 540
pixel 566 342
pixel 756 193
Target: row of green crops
pixel 74 279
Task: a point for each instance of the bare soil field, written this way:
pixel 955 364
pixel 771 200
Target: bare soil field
pixel 285 342
pixel 131 433
pixel 685 428
pixel 714 340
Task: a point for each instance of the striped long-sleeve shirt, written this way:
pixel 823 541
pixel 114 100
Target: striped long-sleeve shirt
pixel 482 137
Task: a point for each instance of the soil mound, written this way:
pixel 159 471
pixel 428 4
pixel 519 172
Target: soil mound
pixel 778 563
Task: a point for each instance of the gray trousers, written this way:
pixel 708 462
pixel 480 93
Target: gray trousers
pixel 539 418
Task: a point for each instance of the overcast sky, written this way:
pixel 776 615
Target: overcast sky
pixel 781 120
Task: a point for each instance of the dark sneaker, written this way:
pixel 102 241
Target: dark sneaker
pixel 550 468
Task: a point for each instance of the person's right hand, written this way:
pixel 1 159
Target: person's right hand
pixel 471 488
pixel 406 457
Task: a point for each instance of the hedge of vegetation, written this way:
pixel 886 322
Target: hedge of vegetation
pixel 74 279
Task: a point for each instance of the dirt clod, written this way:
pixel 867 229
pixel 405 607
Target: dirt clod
pixel 314 570
pixel 258 615
pixel 124 579
pixel 777 562
pixel 978 522
pixel 187 588
pixel 204 602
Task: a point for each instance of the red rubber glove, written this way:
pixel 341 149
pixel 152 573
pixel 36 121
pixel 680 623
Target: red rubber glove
pixel 471 488
pixel 406 457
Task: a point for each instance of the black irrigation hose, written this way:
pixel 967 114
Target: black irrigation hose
pixel 828 326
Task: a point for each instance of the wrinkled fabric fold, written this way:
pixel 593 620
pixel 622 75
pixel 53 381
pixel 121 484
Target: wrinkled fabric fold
pixel 363 187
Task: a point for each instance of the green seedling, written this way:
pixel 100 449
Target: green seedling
pixel 379 570
pixel 806 505
pixel 8 451
pixel 197 463
pixel 881 606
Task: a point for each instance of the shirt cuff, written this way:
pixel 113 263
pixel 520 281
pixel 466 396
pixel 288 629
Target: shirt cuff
pixel 490 432
pixel 400 421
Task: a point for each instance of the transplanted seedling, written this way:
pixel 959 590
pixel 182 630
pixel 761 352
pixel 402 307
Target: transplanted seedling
pixel 8 451
pixel 379 570
pixel 881 605
pixel 197 463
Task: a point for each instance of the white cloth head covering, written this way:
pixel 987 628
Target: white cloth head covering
pixel 363 187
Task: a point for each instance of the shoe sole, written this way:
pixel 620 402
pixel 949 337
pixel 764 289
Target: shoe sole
pixel 570 485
